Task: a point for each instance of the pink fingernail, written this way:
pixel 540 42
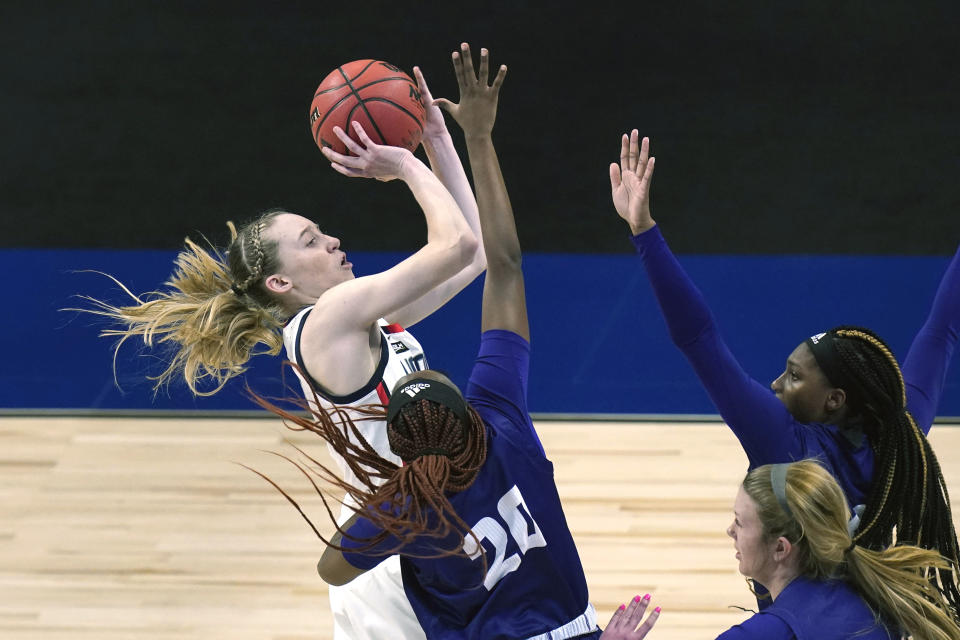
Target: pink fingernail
pixel 657 610
pixel 622 607
pixel 646 597
pixel 636 598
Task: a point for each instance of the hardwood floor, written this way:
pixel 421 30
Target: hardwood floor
pixel 147 528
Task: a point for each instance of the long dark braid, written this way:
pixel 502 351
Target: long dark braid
pixel 410 501
pixel 908 494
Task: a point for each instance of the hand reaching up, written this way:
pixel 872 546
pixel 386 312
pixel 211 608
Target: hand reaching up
pixel 630 182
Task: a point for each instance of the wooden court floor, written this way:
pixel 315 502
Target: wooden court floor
pixel 146 528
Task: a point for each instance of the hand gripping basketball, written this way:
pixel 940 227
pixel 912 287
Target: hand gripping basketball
pixel 368 159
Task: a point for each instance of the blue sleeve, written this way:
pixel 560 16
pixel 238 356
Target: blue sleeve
pixel 759 627
pixel 497 388
pixel 927 361
pixel 766 430
pixel 364 529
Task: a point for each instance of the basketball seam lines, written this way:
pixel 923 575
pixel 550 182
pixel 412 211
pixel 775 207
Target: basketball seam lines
pixel 340 69
pixel 360 100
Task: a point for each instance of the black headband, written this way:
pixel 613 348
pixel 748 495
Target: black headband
pixel 825 354
pixel 427 389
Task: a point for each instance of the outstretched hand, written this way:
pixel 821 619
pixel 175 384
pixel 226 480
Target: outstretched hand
pixel 630 182
pixel 477 109
pixel 369 160
pixel 623 624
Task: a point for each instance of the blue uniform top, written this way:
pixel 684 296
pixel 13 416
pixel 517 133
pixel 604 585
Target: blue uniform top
pixel 766 430
pixel 813 610
pixel 534 584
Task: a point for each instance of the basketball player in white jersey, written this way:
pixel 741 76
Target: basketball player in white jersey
pixel 284 282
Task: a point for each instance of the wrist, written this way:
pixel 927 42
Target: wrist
pixel 478 136
pixel 435 136
pixel 637 229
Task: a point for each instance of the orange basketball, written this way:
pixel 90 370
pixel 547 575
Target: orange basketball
pixel 378 95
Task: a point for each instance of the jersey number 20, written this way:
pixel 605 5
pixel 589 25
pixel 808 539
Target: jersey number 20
pixel 511 508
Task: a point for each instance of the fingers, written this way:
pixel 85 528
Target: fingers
pixel 458 69
pixel 446 105
pixel 644 152
pixel 364 138
pixel 467 62
pixel 616 618
pixel 635 610
pixel 501 74
pixel 348 165
pixel 647 176
pixel 647 625
pixel 422 85
pixel 634 153
pixel 615 178
pixel 484 75
pixel 625 154
pixel 351 144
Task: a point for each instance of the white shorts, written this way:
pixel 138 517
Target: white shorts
pixel 374 606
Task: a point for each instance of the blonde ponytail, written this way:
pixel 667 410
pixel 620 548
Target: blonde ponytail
pixel 894 582
pixel 213 318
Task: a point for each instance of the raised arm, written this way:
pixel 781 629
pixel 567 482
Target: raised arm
pixel 925 367
pixel 766 430
pixel 446 165
pixel 504 301
pixel 338 336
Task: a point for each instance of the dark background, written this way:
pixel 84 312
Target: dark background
pixel 817 127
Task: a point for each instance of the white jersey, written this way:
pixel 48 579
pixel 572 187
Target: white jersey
pixel 400 354
pixel 374 605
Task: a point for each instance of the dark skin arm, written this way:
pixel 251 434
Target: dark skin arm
pixel 504 300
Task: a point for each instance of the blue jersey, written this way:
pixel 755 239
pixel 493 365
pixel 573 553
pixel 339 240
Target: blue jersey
pixel 813 610
pixel 766 429
pixel 534 585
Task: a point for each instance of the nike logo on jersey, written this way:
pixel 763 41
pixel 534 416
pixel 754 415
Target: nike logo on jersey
pixel 399 347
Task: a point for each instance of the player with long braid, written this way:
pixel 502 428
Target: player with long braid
pixel 473 510
pixel 842 397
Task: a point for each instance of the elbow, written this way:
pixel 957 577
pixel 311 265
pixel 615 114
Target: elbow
pixel 505 261
pixel 328 569
pixel 465 250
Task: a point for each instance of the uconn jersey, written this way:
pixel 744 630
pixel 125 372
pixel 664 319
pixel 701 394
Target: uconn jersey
pixel 400 354
pixel 534 585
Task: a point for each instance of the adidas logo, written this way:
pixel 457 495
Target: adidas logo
pixel 816 339
pixel 413 389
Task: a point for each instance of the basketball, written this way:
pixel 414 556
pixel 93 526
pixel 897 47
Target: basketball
pixel 378 95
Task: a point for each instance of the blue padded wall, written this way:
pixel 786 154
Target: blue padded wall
pixel 599 343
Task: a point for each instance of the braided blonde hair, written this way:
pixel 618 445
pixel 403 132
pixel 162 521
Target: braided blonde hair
pixel 214 315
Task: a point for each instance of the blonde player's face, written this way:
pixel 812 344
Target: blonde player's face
pixel 310 259
pixel 754 553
